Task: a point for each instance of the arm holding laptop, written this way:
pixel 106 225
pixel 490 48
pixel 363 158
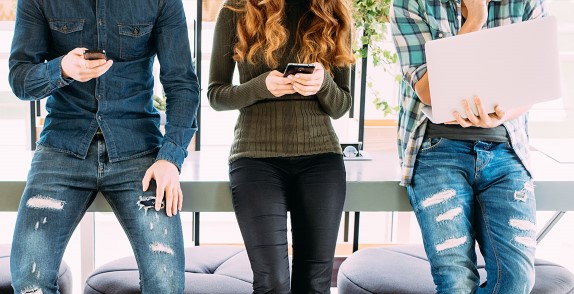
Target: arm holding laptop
pixel 475 12
pixel 448 168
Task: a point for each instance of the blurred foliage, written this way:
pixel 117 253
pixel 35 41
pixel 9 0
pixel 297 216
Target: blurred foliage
pixel 159 102
pixel 371 18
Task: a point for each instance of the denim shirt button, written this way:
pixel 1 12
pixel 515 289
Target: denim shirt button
pixel 136 31
pixel 99 117
pixel 98 97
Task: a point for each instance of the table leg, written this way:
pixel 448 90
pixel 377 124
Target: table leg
pixel 549 225
pixel 356 232
pixel 346 227
pixel 196 228
pixel 88 250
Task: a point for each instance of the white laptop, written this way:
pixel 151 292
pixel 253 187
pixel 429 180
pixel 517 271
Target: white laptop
pixel 510 66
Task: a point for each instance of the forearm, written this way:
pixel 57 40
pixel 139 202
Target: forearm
pixel 334 95
pixel 181 109
pixel 179 81
pixel 34 72
pixel 422 87
pixel 36 81
pixel 223 95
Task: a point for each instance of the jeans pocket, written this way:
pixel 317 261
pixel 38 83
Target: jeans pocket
pixel 134 40
pixel 67 33
pixel 430 143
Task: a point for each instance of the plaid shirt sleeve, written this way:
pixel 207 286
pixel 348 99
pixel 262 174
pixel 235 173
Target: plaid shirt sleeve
pixel 534 9
pixel 410 33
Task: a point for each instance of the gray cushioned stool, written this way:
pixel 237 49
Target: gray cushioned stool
pixel 405 269
pixel 208 269
pixel 64 275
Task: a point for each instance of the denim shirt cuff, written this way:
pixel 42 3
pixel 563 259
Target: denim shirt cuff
pixel 55 73
pixel 172 153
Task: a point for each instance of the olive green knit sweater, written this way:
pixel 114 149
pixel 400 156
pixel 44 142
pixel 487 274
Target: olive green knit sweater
pixel 269 126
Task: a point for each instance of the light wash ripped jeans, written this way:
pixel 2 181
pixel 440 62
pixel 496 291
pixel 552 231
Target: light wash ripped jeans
pixel 59 189
pixel 474 191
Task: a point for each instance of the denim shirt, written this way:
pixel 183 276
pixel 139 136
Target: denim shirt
pixel 120 101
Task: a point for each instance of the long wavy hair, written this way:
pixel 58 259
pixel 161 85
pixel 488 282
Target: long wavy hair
pixel 323 33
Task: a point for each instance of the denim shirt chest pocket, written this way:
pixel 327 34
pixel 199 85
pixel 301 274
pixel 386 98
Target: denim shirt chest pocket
pixel 135 40
pixel 67 34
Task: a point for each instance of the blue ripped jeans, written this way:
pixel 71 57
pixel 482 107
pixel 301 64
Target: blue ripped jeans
pixel 467 191
pixel 59 189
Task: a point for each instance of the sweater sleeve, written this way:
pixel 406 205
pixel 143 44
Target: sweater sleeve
pixel 335 95
pixel 222 94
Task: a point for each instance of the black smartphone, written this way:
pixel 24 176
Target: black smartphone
pixel 295 68
pixel 94 54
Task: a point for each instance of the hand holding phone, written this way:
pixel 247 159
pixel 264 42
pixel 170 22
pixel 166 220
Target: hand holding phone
pixel 95 54
pixel 83 65
pixel 307 84
pixel 295 68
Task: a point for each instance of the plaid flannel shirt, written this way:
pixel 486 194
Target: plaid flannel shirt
pixel 414 22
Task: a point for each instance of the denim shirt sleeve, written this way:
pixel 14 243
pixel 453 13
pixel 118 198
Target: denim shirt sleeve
pixel 33 73
pixel 410 33
pixel 179 81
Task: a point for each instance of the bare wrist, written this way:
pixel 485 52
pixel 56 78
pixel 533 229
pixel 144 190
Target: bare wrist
pixel 472 25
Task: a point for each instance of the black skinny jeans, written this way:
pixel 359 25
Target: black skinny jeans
pixel 313 189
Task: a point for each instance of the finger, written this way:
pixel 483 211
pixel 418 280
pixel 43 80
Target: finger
pixel 175 200
pixel 481 112
pixel 276 73
pixel 305 82
pixel 95 63
pixel 499 111
pixel 87 74
pixel 461 121
pixel 146 179
pixel 78 51
pixel 469 113
pixel 319 71
pixel 281 80
pixel 306 94
pixel 306 90
pixel 485 118
pixel 168 201
pixel 304 78
pixel 100 70
pixel 281 88
pixel 180 202
pixel 159 194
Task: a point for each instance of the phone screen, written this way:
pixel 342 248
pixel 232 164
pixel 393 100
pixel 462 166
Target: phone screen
pixel 295 68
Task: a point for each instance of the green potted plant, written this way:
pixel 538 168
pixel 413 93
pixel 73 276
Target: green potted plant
pixel 371 18
pixel 160 103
